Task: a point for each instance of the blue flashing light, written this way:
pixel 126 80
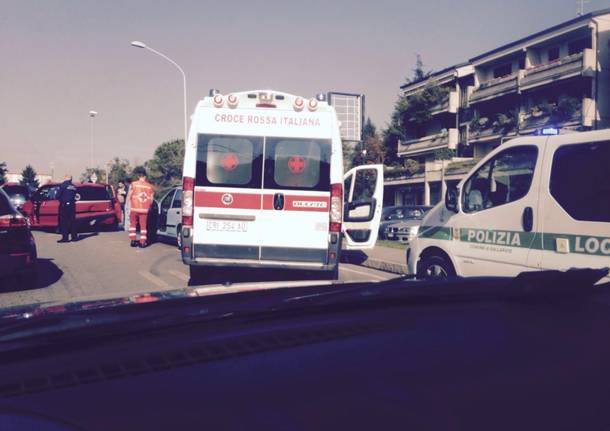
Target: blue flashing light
pixel 550 131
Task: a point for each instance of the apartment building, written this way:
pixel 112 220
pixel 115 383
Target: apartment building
pixel 556 80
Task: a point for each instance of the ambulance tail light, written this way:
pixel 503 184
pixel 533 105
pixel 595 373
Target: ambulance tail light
pixel 188 185
pixel 336 196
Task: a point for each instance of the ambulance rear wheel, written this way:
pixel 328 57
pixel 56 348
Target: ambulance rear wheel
pixel 434 266
pixel 197 275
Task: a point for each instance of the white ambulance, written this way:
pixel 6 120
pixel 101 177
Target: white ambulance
pixel 534 203
pixel 263 186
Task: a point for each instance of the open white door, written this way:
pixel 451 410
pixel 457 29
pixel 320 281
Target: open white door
pixel 363 199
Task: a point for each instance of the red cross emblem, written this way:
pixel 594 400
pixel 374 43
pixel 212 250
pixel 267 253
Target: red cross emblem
pixel 230 161
pixel 296 164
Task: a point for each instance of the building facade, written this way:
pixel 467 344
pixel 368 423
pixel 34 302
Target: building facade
pixel 556 80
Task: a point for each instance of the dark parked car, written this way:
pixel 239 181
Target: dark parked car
pixel 392 215
pixel 17 193
pixel 17 246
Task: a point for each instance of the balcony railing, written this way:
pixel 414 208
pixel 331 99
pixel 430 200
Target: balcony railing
pixel 566 67
pixel 535 122
pixel 495 88
pixel 428 143
pixel 449 104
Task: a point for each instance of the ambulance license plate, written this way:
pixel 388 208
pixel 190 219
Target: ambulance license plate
pixel 226 226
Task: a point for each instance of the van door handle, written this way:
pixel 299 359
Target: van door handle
pixel 528 219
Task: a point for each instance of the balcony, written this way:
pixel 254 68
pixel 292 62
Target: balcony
pixel 429 143
pixel 580 64
pixel 496 88
pixel 583 116
pixel 450 104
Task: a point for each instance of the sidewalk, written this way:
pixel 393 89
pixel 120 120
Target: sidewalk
pixel 381 258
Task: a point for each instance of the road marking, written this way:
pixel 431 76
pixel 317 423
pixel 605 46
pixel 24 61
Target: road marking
pixel 154 279
pixel 181 275
pixel 368 274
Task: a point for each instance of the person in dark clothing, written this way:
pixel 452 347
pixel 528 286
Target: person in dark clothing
pixel 67 210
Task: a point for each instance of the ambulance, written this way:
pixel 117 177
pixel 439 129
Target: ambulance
pixel 534 203
pixel 264 187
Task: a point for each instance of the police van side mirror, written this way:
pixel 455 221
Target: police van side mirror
pixel 360 211
pixel 452 196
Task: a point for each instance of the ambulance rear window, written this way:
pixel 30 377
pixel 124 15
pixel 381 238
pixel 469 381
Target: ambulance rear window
pixel 301 164
pixel 230 161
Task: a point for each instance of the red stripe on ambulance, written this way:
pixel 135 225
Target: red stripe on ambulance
pixel 228 200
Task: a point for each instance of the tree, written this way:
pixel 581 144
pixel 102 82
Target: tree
pixel 28 177
pixel 118 170
pixel 369 129
pixel 99 172
pixel 3 171
pixel 165 168
pixel 419 73
pixel 372 149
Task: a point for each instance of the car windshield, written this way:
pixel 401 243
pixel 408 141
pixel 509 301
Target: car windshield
pixel 242 147
pixel 405 214
pixel 14 190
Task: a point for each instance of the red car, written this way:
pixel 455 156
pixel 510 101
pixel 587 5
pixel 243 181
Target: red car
pixel 96 204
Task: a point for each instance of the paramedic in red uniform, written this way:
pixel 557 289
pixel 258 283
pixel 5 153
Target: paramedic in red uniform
pixel 140 197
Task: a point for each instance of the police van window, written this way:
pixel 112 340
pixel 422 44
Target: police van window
pixel 504 179
pixel 231 161
pixel 579 180
pixel 364 186
pixel 92 193
pixel 177 203
pixel 302 164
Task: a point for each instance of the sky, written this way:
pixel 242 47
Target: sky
pixel 61 59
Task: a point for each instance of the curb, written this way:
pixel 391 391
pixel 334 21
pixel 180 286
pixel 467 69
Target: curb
pixel 378 264
pixel 395 268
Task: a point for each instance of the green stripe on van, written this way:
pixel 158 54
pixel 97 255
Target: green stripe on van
pixel 581 244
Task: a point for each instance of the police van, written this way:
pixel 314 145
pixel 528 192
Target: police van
pixel 534 203
pixel 264 187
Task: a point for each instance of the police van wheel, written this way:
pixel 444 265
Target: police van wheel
pixel 434 267
pixel 197 275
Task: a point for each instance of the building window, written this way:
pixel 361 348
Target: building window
pixel 553 53
pixel 504 70
pixel 579 45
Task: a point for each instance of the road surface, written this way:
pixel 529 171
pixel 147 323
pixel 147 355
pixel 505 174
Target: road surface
pixel 101 264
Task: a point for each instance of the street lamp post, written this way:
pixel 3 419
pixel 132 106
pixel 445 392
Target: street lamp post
pixel 138 44
pixel 92 115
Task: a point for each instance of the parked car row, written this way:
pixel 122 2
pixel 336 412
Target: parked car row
pixel 401 222
pixel 96 205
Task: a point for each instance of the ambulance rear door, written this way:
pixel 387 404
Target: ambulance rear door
pixel 227 201
pixel 363 200
pixel 296 199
